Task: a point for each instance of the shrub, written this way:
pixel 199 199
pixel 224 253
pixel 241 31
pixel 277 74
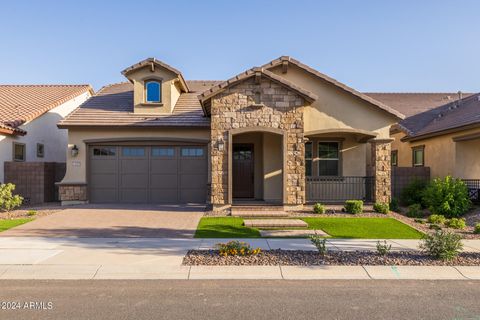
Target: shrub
pixel 8 201
pixel 418 220
pixel 319 208
pixel 354 206
pixel 456 223
pixel 383 248
pixel 435 226
pixel 437 219
pixel 442 245
pixel 320 243
pixel 415 211
pixel 31 213
pixel 477 229
pixel 448 196
pixel 236 248
pixel 394 205
pixel 413 192
pixel 381 207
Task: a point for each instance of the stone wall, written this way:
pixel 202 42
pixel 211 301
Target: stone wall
pixel 265 104
pixel 381 170
pixel 73 193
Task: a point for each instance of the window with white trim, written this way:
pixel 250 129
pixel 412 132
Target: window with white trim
pixel 153 91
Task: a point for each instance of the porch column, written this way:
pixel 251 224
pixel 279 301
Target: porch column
pixel 381 169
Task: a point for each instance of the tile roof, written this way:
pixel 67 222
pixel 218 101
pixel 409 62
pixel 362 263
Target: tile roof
pixel 113 106
pixel 22 103
pixel 410 103
pixel 453 115
pixel 336 83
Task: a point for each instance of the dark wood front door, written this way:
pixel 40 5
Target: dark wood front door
pixel 242 171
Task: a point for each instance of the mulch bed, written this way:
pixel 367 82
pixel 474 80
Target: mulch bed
pixel 313 258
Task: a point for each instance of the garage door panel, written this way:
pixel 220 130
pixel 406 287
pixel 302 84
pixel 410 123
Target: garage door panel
pixel 134 181
pixel 194 165
pixel 193 181
pixel 163 166
pixel 163 195
pixel 103 195
pixel 192 195
pixel 134 166
pixel 104 166
pixel 164 181
pixel 130 195
pixel 104 181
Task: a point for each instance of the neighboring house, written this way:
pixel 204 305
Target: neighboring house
pixel 445 138
pixel 28 132
pixel 282 133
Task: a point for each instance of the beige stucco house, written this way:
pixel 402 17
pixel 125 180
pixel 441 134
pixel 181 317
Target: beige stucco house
pixel 445 138
pixel 282 133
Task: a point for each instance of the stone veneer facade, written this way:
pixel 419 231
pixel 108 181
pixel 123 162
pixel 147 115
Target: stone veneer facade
pixel 381 170
pixel 73 193
pixel 263 104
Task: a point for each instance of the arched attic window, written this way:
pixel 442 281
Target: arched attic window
pixel 153 91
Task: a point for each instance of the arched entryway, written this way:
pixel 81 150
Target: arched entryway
pixel 256 165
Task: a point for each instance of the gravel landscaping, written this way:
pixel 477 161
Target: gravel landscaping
pixel 313 258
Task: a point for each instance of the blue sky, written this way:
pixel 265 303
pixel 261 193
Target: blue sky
pixel 420 46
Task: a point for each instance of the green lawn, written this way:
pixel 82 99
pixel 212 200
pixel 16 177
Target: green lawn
pixel 364 228
pixel 360 228
pixel 8 224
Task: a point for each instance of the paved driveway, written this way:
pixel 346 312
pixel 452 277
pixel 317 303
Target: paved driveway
pixel 114 221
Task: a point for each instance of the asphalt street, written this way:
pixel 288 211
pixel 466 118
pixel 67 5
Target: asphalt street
pixel 179 299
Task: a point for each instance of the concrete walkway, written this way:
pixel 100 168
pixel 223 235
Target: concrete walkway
pixel 161 258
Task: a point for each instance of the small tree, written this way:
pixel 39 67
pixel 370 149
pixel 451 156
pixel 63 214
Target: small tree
pixel 8 201
pixel 448 197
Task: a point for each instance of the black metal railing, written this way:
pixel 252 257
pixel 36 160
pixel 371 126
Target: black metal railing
pixel 473 186
pixel 338 189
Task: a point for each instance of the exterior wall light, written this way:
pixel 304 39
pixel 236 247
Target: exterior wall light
pixel 74 150
pixel 221 145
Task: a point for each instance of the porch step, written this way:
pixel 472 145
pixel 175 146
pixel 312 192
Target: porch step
pixel 257 208
pixel 259 214
pixel 275 223
pixel 292 233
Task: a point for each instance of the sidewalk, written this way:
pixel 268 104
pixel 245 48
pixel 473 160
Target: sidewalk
pixel 155 258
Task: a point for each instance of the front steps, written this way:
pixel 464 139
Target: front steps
pixel 259 211
pixel 275 223
pixel 302 233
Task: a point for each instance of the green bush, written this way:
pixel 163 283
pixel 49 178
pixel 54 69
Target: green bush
pixel 419 220
pixel 413 193
pixel 477 229
pixel 448 196
pixel 383 248
pixel 354 206
pixel 435 226
pixel 320 243
pixel 31 213
pixel 8 201
pixel 437 219
pixel 415 211
pixel 442 245
pixel 236 248
pixel 319 208
pixel 394 205
pixel 456 223
pixel 381 207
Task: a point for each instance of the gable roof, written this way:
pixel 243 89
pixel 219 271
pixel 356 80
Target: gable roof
pixel 205 96
pixel 22 103
pixel 411 103
pixel 451 116
pixel 112 106
pixel 154 62
pixel 287 59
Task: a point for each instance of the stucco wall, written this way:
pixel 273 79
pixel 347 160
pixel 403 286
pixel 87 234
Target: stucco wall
pixel 272 168
pixel 442 154
pixel 337 108
pixel 76 166
pixel 42 130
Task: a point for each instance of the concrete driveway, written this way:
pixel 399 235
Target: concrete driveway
pixel 114 221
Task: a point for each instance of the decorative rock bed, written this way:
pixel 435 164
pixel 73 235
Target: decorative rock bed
pixel 313 258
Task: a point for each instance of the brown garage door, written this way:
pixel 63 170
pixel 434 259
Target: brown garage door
pixel 148 174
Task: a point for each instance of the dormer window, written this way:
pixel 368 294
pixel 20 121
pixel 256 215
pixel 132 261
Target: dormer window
pixel 153 93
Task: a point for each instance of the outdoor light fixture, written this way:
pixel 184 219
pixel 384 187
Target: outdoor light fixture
pixel 221 145
pixel 74 150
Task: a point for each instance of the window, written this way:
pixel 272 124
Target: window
pixel 104 151
pixel 394 158
pixel 40 150
pixel 19 151
pixel 163 152
pixel 133 152
pixel 308 158
pixel 192 152
pixel 418 156
pixel 153 93
pixel 328 160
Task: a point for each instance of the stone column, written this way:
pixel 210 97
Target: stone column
pixel 381 169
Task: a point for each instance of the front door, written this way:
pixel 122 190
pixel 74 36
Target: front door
pixel 243 169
